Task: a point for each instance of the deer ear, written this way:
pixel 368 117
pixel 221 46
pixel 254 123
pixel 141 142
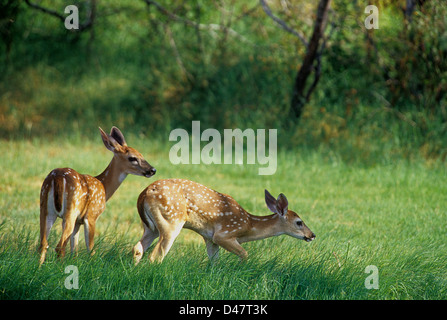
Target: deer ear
pixel 110 143
pixel 116 134
pixel 282 204
pixel 270 202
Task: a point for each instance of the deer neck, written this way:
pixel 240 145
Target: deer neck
pixel 111 178
pixel 263 227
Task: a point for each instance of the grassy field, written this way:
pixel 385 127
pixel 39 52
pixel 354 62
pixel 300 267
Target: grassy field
pixel 364 166
pixel 390 216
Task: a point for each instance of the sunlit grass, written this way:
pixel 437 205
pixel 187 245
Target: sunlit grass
pixel 392 217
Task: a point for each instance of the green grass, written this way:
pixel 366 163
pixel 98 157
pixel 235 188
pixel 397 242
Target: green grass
pixel 393 217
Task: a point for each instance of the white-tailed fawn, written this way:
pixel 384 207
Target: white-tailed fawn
pixel 79 199
pixel 167 206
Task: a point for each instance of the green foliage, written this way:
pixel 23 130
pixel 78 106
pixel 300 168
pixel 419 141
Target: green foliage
pixel 141 70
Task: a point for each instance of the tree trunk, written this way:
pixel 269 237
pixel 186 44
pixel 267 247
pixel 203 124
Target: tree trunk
pixel 311 62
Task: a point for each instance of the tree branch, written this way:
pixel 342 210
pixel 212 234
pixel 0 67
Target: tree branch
pixel 281 23
pixel 91 14
pixel 388 107
pixel 177 53
pixel 199 26
pixel 45 10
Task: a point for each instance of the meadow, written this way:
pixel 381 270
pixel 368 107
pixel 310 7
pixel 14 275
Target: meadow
pixel 389 216
pixel 364 165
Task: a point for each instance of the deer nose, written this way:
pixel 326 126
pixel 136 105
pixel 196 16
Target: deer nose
pixel 150 172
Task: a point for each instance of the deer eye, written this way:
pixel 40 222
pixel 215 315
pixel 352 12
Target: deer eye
pixel 299 223
pixel 133 160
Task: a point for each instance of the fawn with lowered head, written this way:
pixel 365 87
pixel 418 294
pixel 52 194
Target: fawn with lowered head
pixel 167 206
pixel 79 199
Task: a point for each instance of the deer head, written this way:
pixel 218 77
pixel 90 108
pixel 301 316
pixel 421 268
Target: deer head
pixel 293 225
pixel 130 160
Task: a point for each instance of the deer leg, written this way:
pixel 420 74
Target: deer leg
pixel 74 239
pixel 167 237
pixel 46 223
pixel 89 234
pixel 140 248
pixel 212 249
pixel 232 245
pixel 68 225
